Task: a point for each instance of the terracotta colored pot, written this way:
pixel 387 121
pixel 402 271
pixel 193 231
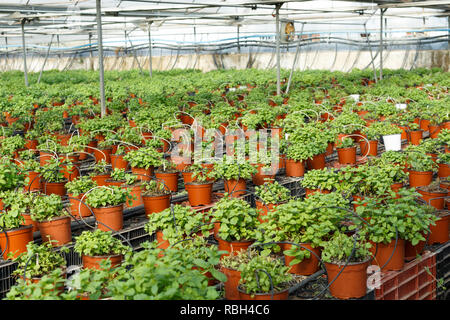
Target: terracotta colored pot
pixel 404 135
pixel 118 162
pixel 109 216
pixel 77 209
pixel 170 179
pixel 230 286
pixel 411 252
pixel 424 124
pixel 439 232
pixel 295 168
pixel 444 170
pixel 34 183
pixel 101 179
pixel 282 295
pixel 351 283
pixel 264 209
pixel 384 252
pixel 187 177
pixel 233 247
pixel 309 192
pixel 57 229
pixel 153 204
pixel 330 149
pixel 317 162
pixel 31 144
pixel 234 187
pixel 372 150
pixel 307 266
pixel 44 157
pixel 261 176
pixel 199 194
pixel 162 243
pixel 414 137
pixel 30 222
pixel 88 149
pixel 347 155
pixel 396 188
pixel 93 262
pixel 71 174
pixel 420 178
pixel 15 241
pixel 54 188
pixel 102 154
pixel 136 192
pixel 142 173
pixel 434 131
pixel 427 196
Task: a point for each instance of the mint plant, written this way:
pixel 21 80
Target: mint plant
pixel 99 243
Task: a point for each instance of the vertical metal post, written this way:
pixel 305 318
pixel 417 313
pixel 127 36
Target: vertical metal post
pixel 238 44
pixel 448 42
pixel 46 57
pixel 150 57
pixel 7 55
pixel 100 57
pixel 24 53
pixel 91 62
pixel 371 54
pixel 277 22
pixel 381 43
pixel 57 40
pixel 295 58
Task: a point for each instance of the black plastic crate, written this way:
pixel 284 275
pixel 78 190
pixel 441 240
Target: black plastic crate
pixel 293 184
pixel 443 272
pixel 6 281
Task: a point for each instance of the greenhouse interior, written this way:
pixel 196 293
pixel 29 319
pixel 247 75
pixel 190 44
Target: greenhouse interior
pixel 224 150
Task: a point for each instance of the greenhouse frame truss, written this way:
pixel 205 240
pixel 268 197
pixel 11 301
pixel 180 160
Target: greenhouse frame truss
pixel 35 20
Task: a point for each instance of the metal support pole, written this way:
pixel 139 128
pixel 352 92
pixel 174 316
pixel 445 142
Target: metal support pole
pixel 57 40
pixel 25 71
pixel 277 22
pixel 238 44
pixel 91 61
pixel 150 57
pixel 100 57
pixel 46 57
pixel 7 55
pixel 381 43
pixel 448 42
pixel 295 58
pixel 371 54
pixel 134 53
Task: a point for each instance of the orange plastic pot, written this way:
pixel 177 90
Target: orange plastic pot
pixel 295 168
pixel 187 177
pixel 351 283
pixel 309 192
pixel 55 188
pixel 371 149
pixel 396 188
pixel 101 179
pixel 15 241
pixel 102 154
pixel 280 295
pixel 439 232
pixel 44 157
pixel 170 179
pixel 154 204
pixel 262 175
pixel 330 148
pixel 34 183
pixel 411 252
pixel 142 173
pixel 93 262
pixel 414 137
pixel 235 186
pixel 317 162
pixel 57 229
pixel 199 194
pixel 420 178
pixel 444 170
pixel 111 217
pixel 430 197
pixel 347 155
pixel 31 144
pixel 30 222
pixel 77 209
pixel 88 149
pixel 162 243
pixel 384 252
pixel 136 192
pixel 434 131
pixel 233 247
pixel 71 174
pixel 307 266
pixel 230 286
pixel 424 124
pixel 264 209
pixel 118 162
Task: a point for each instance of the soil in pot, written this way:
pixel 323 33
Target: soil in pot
pixel 56 229
pixel 111 217
pixel 15 241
